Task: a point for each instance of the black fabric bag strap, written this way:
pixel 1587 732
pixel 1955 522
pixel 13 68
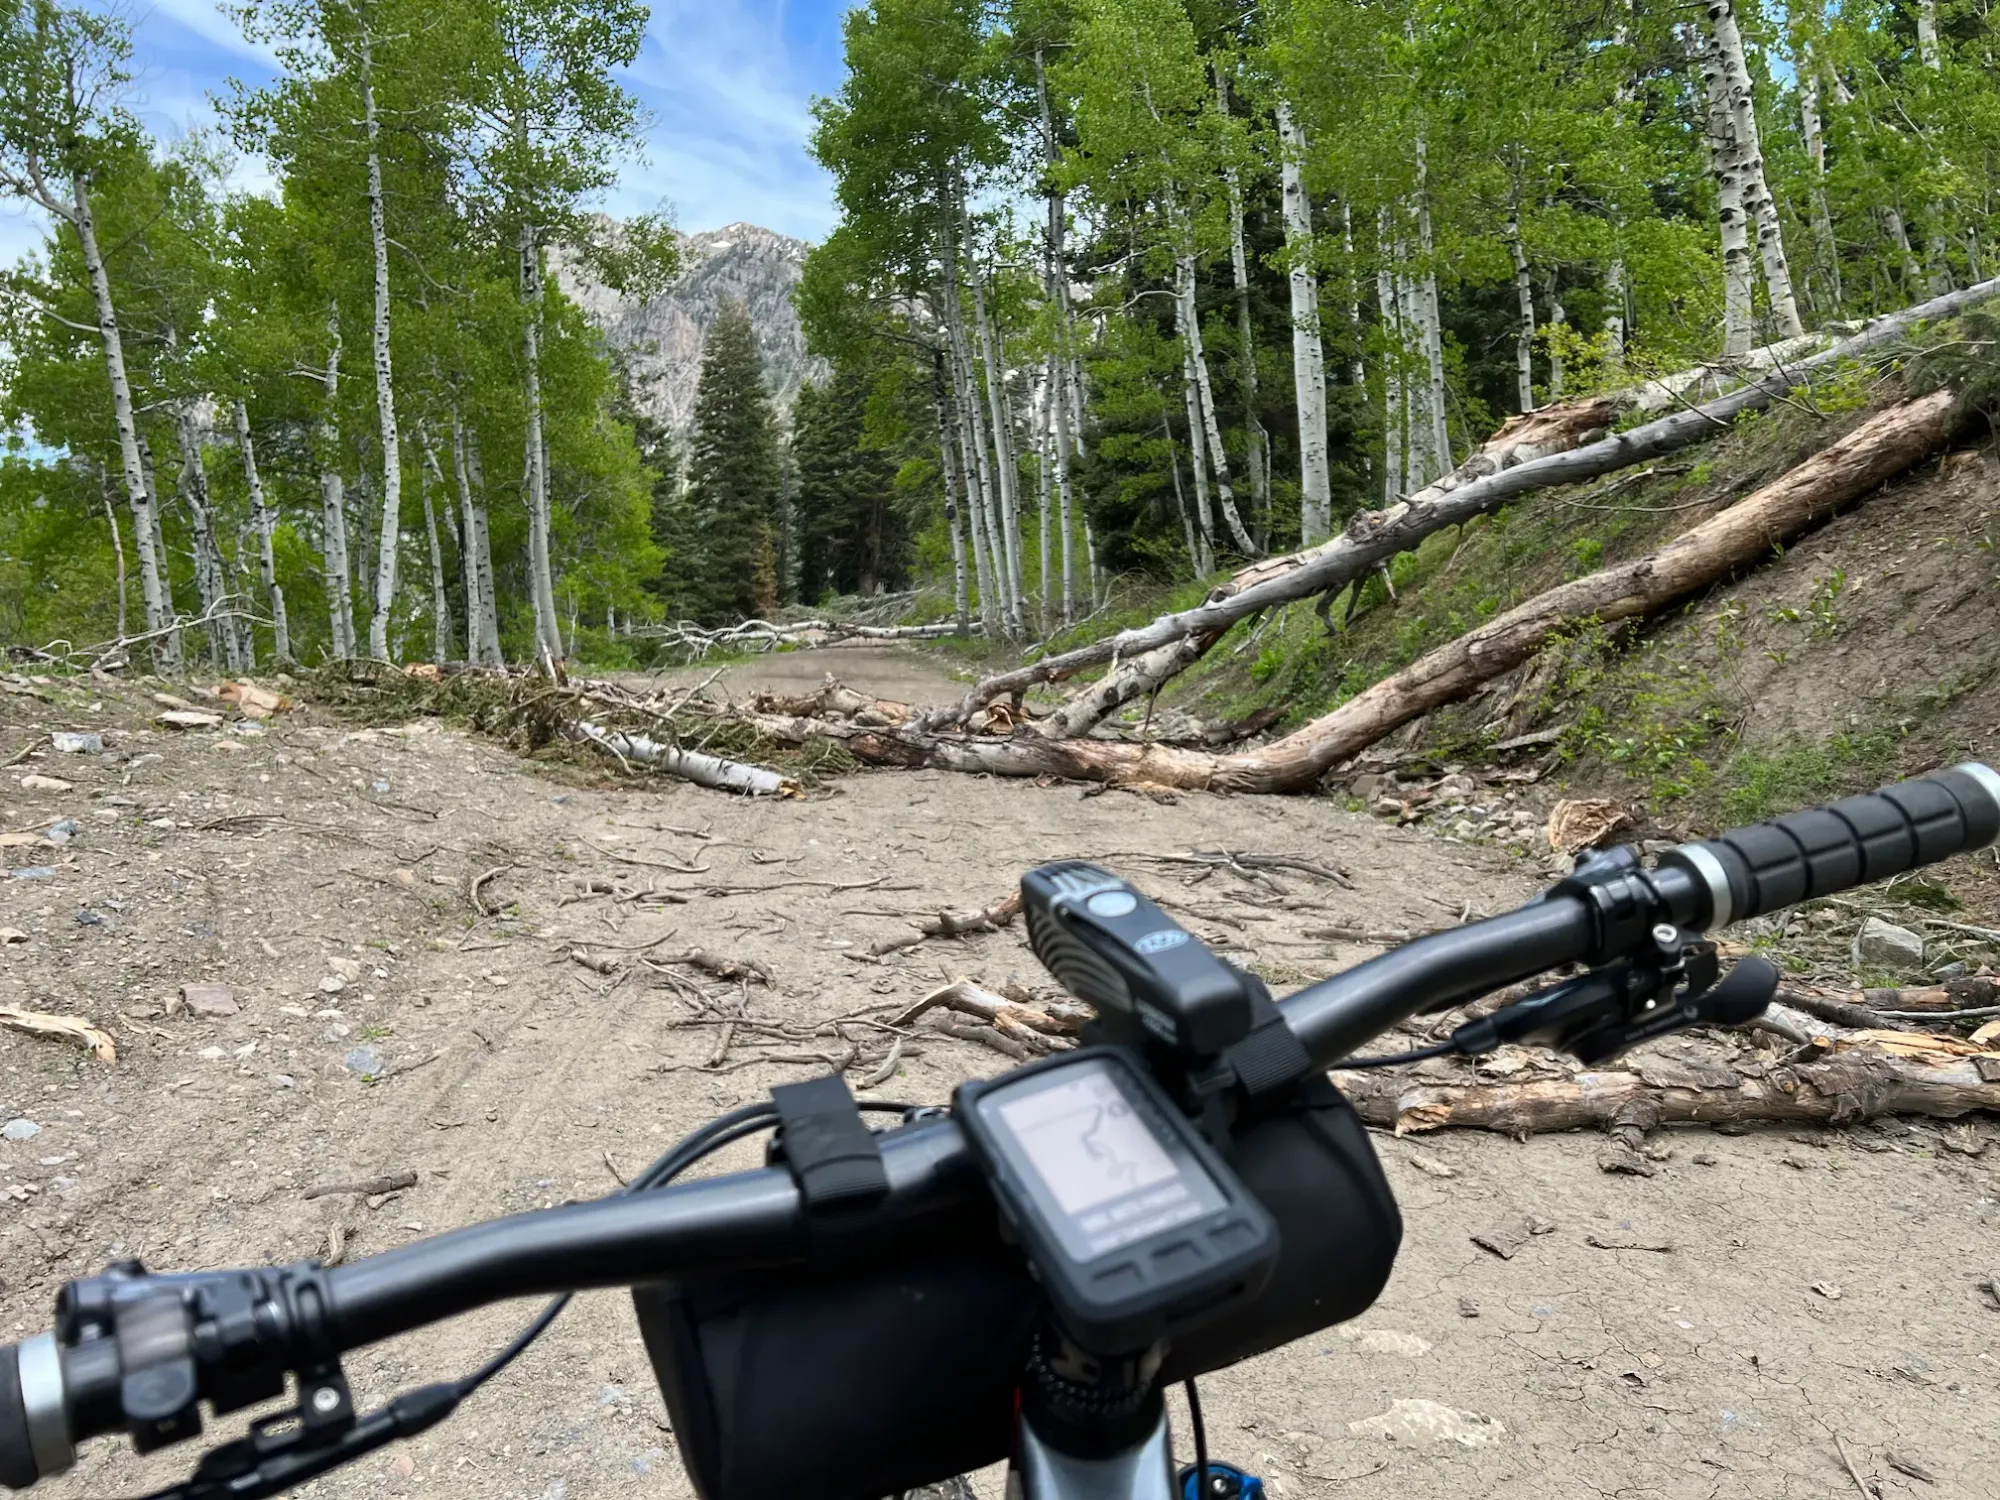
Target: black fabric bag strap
pixel 829 1152
pixel 1271 1058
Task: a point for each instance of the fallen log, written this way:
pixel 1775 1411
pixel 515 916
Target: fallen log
pixel 1868 456
pixel 1856 1083
pixel 693 765
pixel 1373 537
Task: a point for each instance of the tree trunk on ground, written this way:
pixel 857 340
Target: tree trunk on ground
pixel 333 503
pixel 1846 1088
pixel 953 490
pixel 385 386
pixel 1197 359
pixel 1746 155
pixel 1308 355
pixel 263 522
pixel 541 575
pixel 145 524
pixel 1869 456
pixel 1524 295
pixel 1372 537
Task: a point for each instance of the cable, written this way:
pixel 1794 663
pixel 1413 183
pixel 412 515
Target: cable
pixel 1200 1440
pixel 1442 1049
pixel 722 1131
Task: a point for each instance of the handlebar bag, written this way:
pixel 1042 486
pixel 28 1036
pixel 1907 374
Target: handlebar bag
pixel 856 1381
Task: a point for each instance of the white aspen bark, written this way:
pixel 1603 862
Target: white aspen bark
pixel 440 601
pixel 264 523
pixel 1357 370
pixel 210 576
pixel 1811 128
pixel 1202 568
pixel 987 564
pixel 541 582
pixel 1725 162
pixel 1936 249
pixel 145 524
pixel 1099 578
pixel 1198 465
pixel 1308 355
pixel 1524 296
pixel 333 503
pixel 389 535
pixel 1044 462
pixel 473 478
pixel 1420 463
pixel 979 493
pixel 1246 340
pixel 1433 319
pixel 1614 314
pixel 1225 495
pixel 1005 469
pixel 117 549
pixel 1393 468
pixel 953 516
pixel 992 358
pixel 1747 153
pixel 478 601
pixel 1058 273
pixel 1556 322
pixel 1064 488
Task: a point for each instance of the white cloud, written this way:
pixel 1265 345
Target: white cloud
pixel 730 97
pixel 207 20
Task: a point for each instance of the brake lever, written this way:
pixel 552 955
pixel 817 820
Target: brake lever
pixel 1599 1015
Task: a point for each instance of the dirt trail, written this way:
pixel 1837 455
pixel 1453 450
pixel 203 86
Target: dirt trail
pixel 325 874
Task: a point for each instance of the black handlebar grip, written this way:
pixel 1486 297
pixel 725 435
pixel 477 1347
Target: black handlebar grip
pixel 18 1469
pixel 1854 842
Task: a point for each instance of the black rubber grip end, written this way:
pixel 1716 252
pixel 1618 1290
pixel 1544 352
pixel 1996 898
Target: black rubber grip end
pixel 1858 840
pixel 17 1458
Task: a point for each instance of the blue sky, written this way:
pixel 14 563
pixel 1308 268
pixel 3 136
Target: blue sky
pixel 728 83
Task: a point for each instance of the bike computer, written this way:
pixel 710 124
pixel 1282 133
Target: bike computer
pixel 1132 1222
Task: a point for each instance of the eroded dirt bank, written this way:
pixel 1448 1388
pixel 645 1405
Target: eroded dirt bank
pixel 1723 1327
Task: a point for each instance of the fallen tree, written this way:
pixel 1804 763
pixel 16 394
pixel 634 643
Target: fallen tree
pixel 763 635
pixel 1872 453
pixel 1858 1079
pixel 1373 537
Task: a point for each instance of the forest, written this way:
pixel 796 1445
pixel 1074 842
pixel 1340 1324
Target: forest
pixel 1118 287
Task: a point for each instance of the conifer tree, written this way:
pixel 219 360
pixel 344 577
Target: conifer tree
pixel 733 471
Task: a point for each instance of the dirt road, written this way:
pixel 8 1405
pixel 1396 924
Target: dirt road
pixel 1786 1294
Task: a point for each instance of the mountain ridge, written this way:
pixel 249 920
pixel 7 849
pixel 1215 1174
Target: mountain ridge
pixel 660 338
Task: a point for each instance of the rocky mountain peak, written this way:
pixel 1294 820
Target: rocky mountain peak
pixel 662 336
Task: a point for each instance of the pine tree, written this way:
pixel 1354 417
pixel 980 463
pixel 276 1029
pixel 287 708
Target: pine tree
pixel 852 539
pixel 733 467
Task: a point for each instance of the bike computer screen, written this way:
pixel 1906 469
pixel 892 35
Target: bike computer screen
pixel 1131 1221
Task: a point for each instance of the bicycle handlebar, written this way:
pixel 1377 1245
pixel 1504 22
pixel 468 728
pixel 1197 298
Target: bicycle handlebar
pixel 54 1395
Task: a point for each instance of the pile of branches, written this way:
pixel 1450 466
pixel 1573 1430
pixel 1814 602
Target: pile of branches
pixel 694 642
